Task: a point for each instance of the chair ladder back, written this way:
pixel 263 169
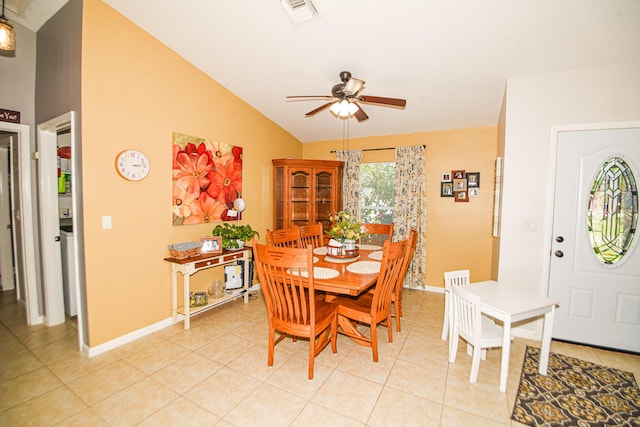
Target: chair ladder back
pixel 390 272
pixel 456 278
pixel 377 234
pixel 311 235
pixel 284 237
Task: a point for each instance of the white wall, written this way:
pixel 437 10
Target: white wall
pixel 534 105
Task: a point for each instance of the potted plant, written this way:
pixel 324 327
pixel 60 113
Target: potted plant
pixel 234 235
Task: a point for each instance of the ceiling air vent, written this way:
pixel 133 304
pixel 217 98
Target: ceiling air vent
pixel 300 10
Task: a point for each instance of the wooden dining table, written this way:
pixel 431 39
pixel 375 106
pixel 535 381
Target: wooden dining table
pixel 347 282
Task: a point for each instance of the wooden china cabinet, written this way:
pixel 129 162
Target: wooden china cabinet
pixel 306 191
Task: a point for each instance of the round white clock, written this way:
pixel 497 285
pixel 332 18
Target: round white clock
pixel 132 165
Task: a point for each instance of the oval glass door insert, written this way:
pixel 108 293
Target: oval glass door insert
pixel 612 210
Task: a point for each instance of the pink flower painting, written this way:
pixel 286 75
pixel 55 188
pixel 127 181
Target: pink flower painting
pixel 206 179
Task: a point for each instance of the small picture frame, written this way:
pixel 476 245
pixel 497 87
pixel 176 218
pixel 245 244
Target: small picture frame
pixel 474 192
pixel 457 174
pixel 462 196
pixel 211 245
pixel 446 177
pixel 459 184
pixel 446 189
pixel 473 179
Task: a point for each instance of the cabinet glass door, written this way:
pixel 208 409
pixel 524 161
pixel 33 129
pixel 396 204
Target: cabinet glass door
pixel 300 197
pixel 325 203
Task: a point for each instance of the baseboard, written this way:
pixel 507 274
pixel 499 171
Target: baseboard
pixel 130 337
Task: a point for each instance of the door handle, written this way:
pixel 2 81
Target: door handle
pixel 56 238
pixel 559 254
pixel 559 239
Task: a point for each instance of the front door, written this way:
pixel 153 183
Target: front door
pixel 595 258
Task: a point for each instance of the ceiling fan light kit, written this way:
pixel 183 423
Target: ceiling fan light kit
pixel 345 98
pixel 7 33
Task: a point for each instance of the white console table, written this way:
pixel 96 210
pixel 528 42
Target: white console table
pixel 191 265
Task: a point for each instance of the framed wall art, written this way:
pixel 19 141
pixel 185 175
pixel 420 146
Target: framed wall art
pixel 473 179
pixel 474 192
pixel 457 174
pixel 446 189
pixel 459 184
pixel 461 196
pixel 446 177
pixel 206 180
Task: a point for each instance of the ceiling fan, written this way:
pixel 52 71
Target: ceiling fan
pixel 345 99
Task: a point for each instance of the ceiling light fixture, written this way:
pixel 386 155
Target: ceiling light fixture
pixel 343 109
pixel 7 34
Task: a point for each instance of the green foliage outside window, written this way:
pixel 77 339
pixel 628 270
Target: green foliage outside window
pixel 377 182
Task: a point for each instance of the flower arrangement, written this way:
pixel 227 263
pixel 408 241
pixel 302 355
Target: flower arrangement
pixel 346 227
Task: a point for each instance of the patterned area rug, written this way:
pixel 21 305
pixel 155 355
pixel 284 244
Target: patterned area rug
pixel 575 393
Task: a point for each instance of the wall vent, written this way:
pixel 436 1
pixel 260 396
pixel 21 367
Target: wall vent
pixel 300 10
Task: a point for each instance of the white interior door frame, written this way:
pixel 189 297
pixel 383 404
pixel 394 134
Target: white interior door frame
pixel 49 219
pixel 7 274
pixel 25 214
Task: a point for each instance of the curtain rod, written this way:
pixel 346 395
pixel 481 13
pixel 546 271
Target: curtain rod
pixel 377 149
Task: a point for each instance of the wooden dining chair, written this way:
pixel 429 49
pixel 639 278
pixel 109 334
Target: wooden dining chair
pixel 451 279
pixel 286 286
pixel 284 237
pixel 469 324
pixel 377 234
pixel 311 235
pixel 372 309
pixel 396 296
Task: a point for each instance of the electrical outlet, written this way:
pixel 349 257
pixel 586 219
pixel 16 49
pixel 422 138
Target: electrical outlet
pixel 106 222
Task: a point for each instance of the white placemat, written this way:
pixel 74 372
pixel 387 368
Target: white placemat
pixel 364 267
pixel 377 255
pixel 340 260
pixel 319 273
pixel 315 259
pixel 322 250
pixel 370 247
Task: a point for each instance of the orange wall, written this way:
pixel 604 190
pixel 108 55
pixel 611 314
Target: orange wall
pixel 459 235
pixel 135 94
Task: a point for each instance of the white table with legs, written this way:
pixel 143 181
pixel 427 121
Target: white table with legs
pixel 510 304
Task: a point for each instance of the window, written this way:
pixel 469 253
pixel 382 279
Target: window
pixel 377 182
pixel 612 211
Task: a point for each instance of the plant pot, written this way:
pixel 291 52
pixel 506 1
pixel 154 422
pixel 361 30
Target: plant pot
pixel 349 245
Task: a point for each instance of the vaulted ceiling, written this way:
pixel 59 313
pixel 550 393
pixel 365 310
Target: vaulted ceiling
pixel 449 59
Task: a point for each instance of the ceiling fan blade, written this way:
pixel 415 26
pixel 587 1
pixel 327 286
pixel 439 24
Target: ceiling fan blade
pixel 353 86
pixel 309 97
pixel 394 102
pixel 360 114
pixel 317 110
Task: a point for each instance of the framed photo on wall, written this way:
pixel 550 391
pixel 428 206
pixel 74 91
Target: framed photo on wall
pixel 474 192
pixel 457 174
pixel 462 196
pixel 459 184
pixel 446 189
pixel 473 179
pixel 211 245
pixel 446 177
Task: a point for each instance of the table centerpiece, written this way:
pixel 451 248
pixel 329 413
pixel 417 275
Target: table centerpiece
pixel 345 231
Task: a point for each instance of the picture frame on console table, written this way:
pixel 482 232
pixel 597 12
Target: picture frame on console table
pixel 211 245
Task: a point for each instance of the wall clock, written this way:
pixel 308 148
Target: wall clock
pixel 132 165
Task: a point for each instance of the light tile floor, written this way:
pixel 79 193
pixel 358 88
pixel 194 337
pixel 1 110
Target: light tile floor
pixel 216 374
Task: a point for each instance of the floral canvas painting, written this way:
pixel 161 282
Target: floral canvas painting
pixel 207 178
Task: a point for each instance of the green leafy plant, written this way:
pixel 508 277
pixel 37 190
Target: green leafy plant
pixel 232 233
